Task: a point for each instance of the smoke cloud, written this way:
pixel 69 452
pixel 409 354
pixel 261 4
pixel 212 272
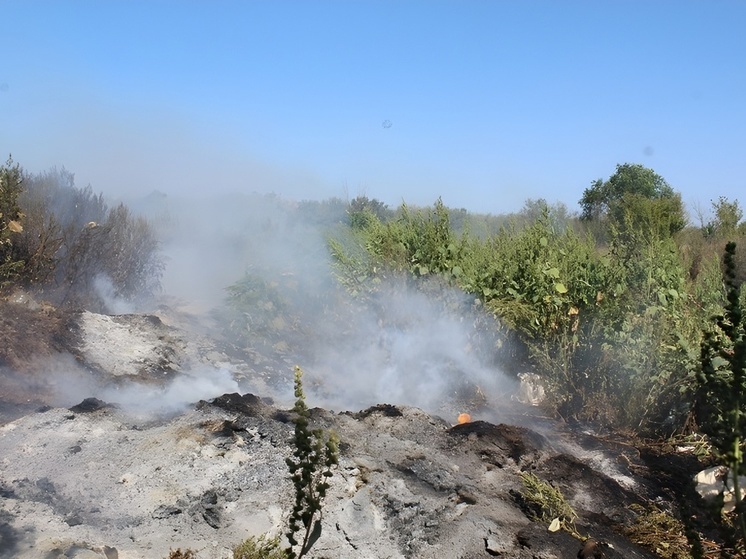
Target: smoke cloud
pixel 403 346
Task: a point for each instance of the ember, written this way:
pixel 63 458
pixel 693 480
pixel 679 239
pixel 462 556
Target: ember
pixel 464 418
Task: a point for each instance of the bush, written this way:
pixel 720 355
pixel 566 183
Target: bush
pixel 69 243
pixel 11 218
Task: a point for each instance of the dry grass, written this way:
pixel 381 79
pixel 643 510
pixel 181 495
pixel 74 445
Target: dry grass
pixel 659 531
pixel 549 503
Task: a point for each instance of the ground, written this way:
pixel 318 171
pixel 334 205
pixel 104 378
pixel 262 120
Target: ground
pixel 83 477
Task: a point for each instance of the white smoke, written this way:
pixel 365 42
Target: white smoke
pixel 411 350
pixel 186 389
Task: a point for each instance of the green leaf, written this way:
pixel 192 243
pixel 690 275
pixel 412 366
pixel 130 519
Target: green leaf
pixel 719 362
pixel 560 287
pixel 553 273
pixel 543 241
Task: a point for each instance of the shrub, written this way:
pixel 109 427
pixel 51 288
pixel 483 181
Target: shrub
pixel 71 241
pixel 11 218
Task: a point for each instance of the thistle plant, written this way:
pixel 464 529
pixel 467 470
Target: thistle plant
pixel 722 381
pixel 315 454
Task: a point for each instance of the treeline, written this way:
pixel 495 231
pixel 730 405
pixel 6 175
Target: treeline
pixel 609 307
pixel 67 243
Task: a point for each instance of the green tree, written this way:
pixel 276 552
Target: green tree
pixel 634 198
pixel 728 216
pixel 11 186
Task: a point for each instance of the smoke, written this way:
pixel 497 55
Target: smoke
pixel 405 345
pixel 410 348
pixel 61 381
pixel 184 390
pixel 105 290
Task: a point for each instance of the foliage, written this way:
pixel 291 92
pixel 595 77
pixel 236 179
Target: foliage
pixel 727 220
pixel 613 331
pixel 722 380
pixel 659 531
pixel 315 454
pixel 11 220
pixel 259 548
pixel 548 504
pixel 66 241
pixel 635 199
pixel 362 210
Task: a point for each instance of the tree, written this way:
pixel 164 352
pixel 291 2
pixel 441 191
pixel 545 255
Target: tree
pixel 635 198
pixel 726 221
pixel 11 186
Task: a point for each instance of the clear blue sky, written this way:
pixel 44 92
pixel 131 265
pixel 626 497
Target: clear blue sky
pixel 490 103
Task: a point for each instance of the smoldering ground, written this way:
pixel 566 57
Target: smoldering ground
pixel 263 265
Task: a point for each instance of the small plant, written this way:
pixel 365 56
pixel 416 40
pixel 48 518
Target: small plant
pixel 310 469
pixel 659 531
pixel 548 504
pixel 259 548
pixel 178 554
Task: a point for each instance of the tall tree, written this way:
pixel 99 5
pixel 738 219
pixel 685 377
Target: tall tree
pixel 11 186
pixel 637 199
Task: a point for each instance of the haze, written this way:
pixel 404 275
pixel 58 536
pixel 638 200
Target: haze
pixel 485 104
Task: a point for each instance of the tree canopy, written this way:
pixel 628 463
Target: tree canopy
pixel 635 198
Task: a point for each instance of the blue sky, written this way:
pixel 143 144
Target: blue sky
pixel 490 103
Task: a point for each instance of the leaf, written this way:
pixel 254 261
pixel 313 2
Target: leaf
pixel 553 273
pixel 560 287
pixel 543 241
pixel 719 362
pixel 555 525
pixel 15 227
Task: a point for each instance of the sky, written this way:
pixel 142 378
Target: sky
pixel 484 104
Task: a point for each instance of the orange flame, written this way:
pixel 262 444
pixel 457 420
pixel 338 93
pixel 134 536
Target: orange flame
pixel 464 418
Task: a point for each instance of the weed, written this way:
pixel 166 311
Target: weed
pixel 260 547
pixel 548 504
pixel 178 554
pixel 310 468
pixel 660 532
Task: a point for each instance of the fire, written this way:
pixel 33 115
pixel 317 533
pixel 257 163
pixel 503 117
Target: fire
pixel 464 418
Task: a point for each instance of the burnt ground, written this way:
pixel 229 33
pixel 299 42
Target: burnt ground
pixel 30 335
pixel 437 489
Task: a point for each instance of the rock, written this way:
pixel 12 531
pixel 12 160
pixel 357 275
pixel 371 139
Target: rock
pixel 89 405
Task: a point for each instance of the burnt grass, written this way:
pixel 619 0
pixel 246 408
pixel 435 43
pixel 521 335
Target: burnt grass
pixel 30 336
